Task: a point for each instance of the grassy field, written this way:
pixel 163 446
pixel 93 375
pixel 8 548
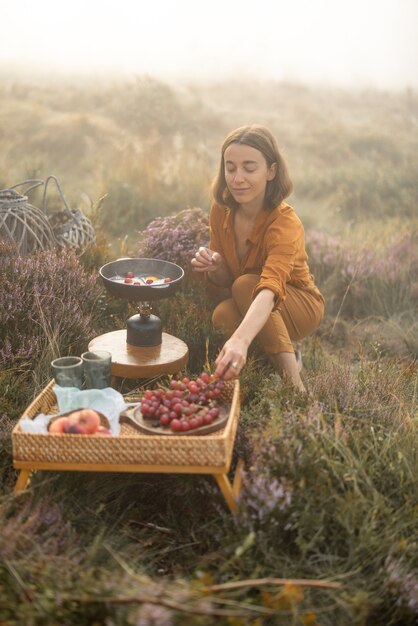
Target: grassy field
pixel 330 492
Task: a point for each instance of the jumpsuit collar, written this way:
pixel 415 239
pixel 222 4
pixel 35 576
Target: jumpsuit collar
pixel 263 219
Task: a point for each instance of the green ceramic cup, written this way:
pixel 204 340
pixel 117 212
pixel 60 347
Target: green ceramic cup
pixel 68 371
pixel 97 368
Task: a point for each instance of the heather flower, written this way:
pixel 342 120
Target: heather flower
pixel 33 525
pixel 176 237
pixel 154 615
pixel 315 414
pixel 398 257
pixel 46 298
pixel 324 249
pixel 263 497
pixel 406 583
pixel 367 280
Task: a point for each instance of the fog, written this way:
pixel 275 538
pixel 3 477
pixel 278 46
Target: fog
pixel 359 43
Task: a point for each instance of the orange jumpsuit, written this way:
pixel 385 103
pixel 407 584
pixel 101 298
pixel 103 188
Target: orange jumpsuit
pixel 276 259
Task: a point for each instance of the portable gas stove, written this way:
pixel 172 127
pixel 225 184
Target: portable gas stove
pixel 143 349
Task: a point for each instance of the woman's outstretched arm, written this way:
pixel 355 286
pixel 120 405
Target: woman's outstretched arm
pixel 233 355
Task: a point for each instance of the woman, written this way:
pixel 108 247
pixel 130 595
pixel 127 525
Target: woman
pixel 257 251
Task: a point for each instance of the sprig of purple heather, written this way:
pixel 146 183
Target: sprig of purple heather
pixel 176 237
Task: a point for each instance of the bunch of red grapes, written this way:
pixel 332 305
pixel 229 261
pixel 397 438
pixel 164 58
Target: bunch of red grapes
pixel 186 405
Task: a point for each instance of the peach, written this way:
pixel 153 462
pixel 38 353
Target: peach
pixel 102 430
pixel 83 422
pixel 74 416
pixel 58 426
pixel 74 428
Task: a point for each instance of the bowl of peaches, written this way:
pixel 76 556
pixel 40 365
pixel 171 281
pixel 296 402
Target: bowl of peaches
pixel 79 422
pixel 141 279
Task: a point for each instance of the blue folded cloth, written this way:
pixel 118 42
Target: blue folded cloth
pixel 107 401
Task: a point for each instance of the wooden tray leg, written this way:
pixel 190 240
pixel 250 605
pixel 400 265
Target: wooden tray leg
pixel 231 492
pixel 22 480
pixel 226 489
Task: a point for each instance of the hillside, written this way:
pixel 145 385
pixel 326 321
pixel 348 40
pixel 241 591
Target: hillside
pixel 153 147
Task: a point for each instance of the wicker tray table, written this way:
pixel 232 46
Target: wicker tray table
pixel 131 451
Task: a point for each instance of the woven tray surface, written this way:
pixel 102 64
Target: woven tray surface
pixel 130 447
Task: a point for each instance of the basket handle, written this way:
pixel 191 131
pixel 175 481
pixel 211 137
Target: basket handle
pixel 67 209
pixel 36 182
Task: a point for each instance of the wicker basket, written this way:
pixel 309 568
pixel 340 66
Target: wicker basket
pixel 131 447
pixel 71 227
pixel 23 225
pixel 29 229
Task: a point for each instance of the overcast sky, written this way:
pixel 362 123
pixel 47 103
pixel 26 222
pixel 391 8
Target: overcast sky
pixel 349 43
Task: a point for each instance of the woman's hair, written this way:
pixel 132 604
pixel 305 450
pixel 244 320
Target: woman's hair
pixel 260 138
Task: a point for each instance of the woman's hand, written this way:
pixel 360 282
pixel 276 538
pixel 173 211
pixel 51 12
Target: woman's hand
pixel 231 358
pixel 206 260
pixel 233 355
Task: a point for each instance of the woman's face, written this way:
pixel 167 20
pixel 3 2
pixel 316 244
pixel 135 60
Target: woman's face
pixel 247 174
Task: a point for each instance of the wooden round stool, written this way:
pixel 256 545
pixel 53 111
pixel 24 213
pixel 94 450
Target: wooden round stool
pixel 137 362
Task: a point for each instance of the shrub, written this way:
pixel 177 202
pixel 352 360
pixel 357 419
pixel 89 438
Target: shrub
pixel 46 300
pixel 176 237
pixel 330 492
pixel 360 280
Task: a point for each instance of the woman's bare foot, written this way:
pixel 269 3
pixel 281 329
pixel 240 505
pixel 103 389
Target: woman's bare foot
pixel 298 355
pixel 286 365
